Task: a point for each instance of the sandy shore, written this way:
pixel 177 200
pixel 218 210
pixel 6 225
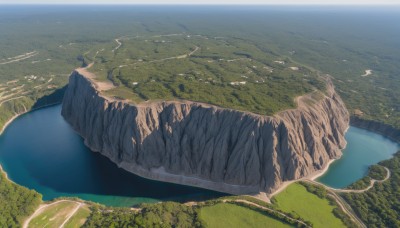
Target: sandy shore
pixel 160 174
pixel 313 176
pixel 10 121
pixel 5 174
pixel 320 172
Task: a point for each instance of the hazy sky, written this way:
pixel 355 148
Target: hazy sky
pixel 208 2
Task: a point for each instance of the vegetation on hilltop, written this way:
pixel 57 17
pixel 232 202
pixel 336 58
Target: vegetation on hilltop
pixel 226 72
pixel 289 36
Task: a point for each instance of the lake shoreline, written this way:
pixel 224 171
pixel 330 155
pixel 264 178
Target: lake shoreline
pixel 323 171
pixel 366 148
pixel 312 176
pixel 9 122
pixel 36 128
pixel 5 174
pixel 376 127
pixel 25 112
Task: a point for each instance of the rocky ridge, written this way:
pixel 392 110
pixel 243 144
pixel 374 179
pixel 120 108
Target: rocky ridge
pixel 377 127
pixel 202 145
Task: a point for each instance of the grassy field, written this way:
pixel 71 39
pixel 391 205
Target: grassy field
pixel 79 218
pixel 54 215
pixel 231 215
pixel 296 200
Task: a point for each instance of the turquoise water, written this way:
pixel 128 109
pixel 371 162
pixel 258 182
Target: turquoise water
pixel 39 150
pixel 364 148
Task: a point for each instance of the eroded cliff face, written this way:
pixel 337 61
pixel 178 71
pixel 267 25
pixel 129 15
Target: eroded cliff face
pixel 206 146
pixel 377 127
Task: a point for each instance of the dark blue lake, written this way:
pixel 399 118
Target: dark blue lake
pixel 39 150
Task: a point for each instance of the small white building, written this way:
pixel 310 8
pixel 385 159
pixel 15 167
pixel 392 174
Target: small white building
pixel 238 83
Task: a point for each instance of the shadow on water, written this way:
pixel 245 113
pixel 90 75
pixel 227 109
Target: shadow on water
pixel 39 150
pixel 54 98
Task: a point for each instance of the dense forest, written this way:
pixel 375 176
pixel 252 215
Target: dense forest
pixel 380 206
pixel 16 202
pixel 230 73
pixel 306 38
pixel 167 214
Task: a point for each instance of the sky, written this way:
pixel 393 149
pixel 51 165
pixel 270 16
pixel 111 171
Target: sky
pixel 211 2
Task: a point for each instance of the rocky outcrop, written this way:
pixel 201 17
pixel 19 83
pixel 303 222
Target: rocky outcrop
pixel 377 127
pixel 202 145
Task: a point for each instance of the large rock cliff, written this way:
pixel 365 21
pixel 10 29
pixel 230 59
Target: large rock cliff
pixel 202 145
pixel 377 127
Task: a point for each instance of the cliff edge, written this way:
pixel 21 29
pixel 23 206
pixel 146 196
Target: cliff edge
pixel 202 145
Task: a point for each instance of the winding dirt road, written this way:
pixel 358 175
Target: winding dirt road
pixel 44 206
pixel 100 85
pixel 20 58
pixel 343 204
pixel 118 46
pixel 165 59
pixel 71 214
pixel 372 183
pixel 266 209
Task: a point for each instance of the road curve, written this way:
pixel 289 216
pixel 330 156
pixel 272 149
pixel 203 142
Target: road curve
pixel 372 183
pixel 342 204
pixel 44 206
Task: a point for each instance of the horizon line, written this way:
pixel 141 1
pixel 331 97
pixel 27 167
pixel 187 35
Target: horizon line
pixel 196 4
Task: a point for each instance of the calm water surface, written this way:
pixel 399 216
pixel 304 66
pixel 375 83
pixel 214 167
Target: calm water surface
pixel 39 150
pixel 364 148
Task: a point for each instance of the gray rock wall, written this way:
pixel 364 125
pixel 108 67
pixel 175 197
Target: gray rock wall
pixel 206 146
pixel 377 127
